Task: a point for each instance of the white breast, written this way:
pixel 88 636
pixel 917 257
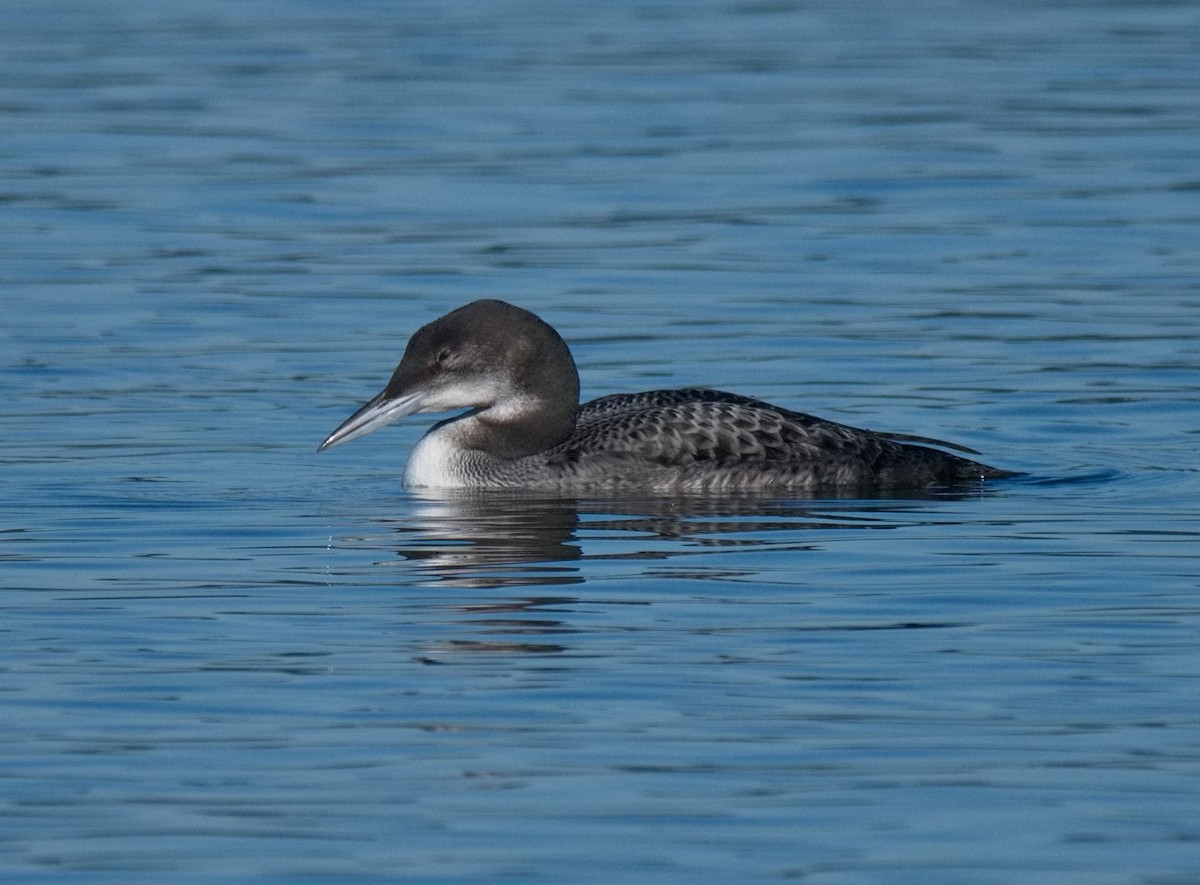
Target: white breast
pixel 435 461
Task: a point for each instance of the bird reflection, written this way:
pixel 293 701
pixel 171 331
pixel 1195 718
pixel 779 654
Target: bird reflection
pixel 523 544
pixel 494 540
pixel 477 541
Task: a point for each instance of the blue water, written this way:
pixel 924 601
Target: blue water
pixel 226 658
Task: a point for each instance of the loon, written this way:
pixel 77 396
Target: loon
pixel 525 428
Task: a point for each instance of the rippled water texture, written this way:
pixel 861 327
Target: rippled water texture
pixel 226 658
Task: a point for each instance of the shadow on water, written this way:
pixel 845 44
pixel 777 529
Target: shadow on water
pixel 506 539
pixel 514 543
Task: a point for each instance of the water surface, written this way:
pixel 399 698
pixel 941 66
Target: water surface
pixel 230 659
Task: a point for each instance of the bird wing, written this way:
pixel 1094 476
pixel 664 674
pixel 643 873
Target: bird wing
pixel 684 427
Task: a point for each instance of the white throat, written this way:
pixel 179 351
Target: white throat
pixel 439 460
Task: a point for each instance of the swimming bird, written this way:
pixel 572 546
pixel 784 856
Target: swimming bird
pixel 525 427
